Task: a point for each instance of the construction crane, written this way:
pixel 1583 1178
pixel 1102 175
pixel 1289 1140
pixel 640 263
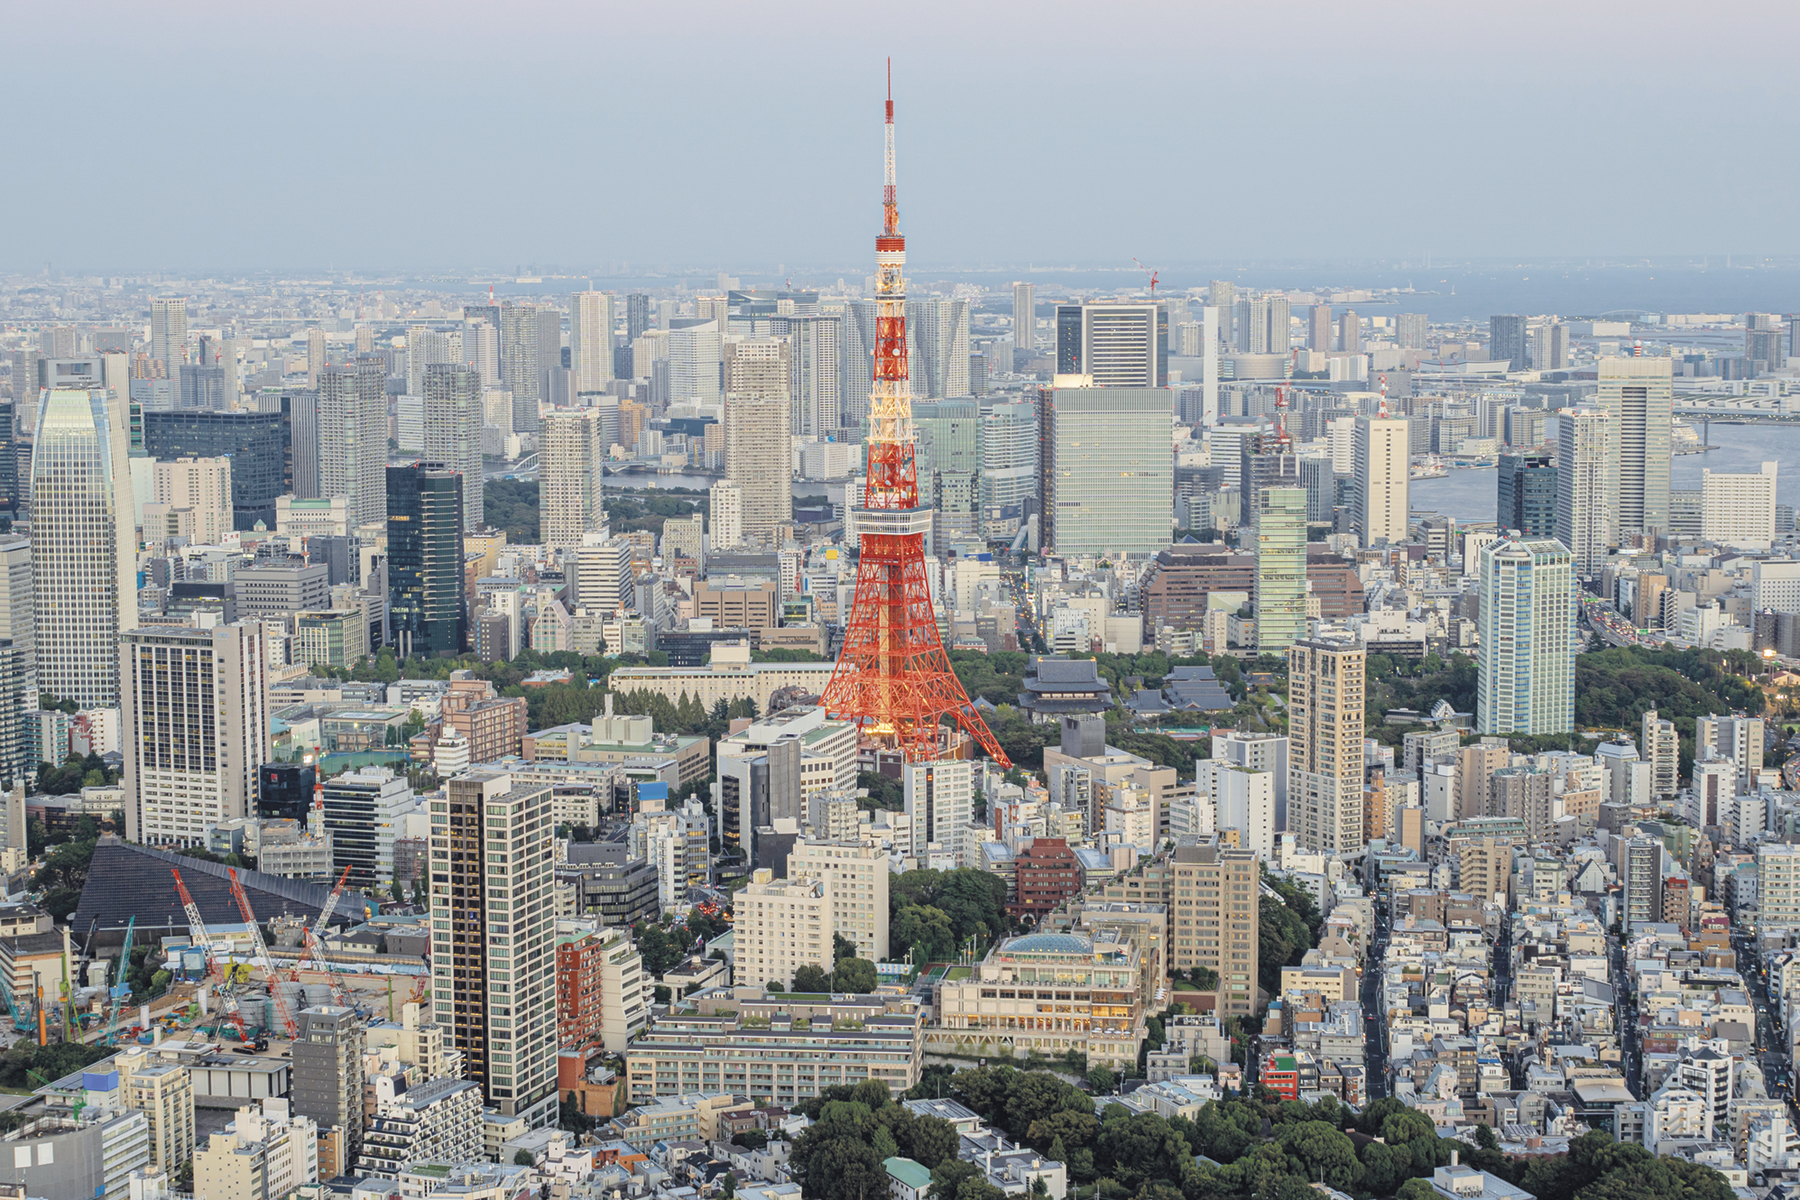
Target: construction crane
pixel 122 990
pixel 315 943
pixel 1152 274
pixel 20 1021
pixel 197 930
pixel 262 953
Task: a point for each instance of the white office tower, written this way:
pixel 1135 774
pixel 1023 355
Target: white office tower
pixel 424 348
pixel 694 364
pixel 1244 800
pixel 493 969
pixel 481 350
pixel 1639 395
pixel 353 439
pixel 1008 443
pixel 1526 681
pixel 1325 744
pixel 17 620
pixel 1383 473
pixel 602 578
pixel 590 342
pixel 937 342
pixel 83 544
pixel 1119 345
pixel 168 332
pixel 758 438
pixel 192 751
pixel 725 506
pixel 1024 318
pixel 940 799
pixel 1587 486
pixel 570 470
pixel 316 358
pixel 1738 510
pixel 452 420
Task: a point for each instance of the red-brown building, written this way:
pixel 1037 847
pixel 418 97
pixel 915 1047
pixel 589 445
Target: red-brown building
pixel 579 965
pixel 1046 873
pixel 1281 1075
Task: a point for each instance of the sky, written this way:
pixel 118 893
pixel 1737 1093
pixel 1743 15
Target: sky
pixel 456 135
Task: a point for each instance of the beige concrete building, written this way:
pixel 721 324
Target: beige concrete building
pixel 758 437
pixel 570 469
pixel 1325 744
pixel 1215 919
pixel 856 882
pixel 164 1092
pixel 726 680
pixel 192 500
pixel 263 1154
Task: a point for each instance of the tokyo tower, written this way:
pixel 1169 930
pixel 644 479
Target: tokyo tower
pixel 893 678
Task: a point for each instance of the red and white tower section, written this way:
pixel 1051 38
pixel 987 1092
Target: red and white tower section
pixel 893 678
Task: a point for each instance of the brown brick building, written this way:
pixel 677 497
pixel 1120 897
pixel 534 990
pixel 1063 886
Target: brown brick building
pixel 1046 873
pixel 1175 594
pixel 738 604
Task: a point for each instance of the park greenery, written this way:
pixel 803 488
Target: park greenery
pixel 933 913
pixel 512 505
pixel 1255 1148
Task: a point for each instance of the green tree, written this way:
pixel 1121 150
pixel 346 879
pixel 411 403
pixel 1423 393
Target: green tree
pixel 854 975
pixel 811 978
pixel 842 948
pixel 1316 1150
pixel 1101 1081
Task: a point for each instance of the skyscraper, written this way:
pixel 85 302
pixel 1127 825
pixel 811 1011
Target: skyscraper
pixel 725 506
pixel 316 358
pixel 856 366
pixel 1765 342
pixel 453 431
pixel 1325 744
pixel 1101 444
pixel 1280 569
pixel 1222 295
pixel 590 342
pixel 1125 345
pixel 937 336
pixel 1550 346
pixel 1587 486
pixel 424 348
pixel 1506 340
pixel 694 363
pixel 814 374
pixel 637 315
pixel 1410 331
pixel 1024 319
pixel 758 437
pixel 195 725
pixel 492 967
pixel 425 559
pixel 1350 332
pixel 1527 495
pixel 570 473
pixel 1737 509
pixel 1527 653
pixel 84 543
pixel 1263 325
pixel 481 349
pixel 1639 394
pixel 1008 443
pixel 1318 328
pixel 17 620
pixel 1383 475
pixel 530 347
pixel 353 438
pixel 168 333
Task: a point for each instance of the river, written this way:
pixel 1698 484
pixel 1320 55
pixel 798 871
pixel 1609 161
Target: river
pixel 1470 496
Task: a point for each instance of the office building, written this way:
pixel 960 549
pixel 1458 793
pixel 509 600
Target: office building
pixel 1527 495
pixel 17 617
pixel 256 443
pixel 353 438
pixel 453 420
pixel 694 363
pixel 84 543
pixel 316 358
pixel 1660 746
pixel 425 560
pixel 571 471
pixel 1098 444
pixel 758 435
pixel 365 812
pixel 601 578
pixel 1506 341
pixel 168 333
pixel 1280 569
pixel 1258 752
pixel 1121 345
pixel 1738 510
pixel 191 500
pixel 484 914
pixel 1526 655
pixel 1383 473
pixel 637 316
pixel 1318 328
pixel 939 801
pixel 328 1072
pixel 1350 332
pixel 1765 343
pixel 1587 486
pixel 725 511
pixel 1638 393
pixel 590 343
pixel 1325 744
pixel 1007 441
pixel 280 587
pixel 1410 331
pixel 937 344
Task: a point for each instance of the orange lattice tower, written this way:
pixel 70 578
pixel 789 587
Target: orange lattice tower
pixel 893 678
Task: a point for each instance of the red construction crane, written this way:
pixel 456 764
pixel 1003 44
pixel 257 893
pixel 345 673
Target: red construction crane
pixel 262 954
pixel 197 930
pixel 1149 272
pixel 315 943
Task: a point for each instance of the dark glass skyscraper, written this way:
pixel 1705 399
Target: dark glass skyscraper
pixel 425 559
pixel 256 443
pixel 1527 494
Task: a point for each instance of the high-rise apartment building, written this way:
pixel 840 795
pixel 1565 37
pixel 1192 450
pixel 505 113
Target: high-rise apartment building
pixel 590 343
pixel 1587 486
pixel 1325 744
pixel 84 543
pixel 1640 871
pixel 1526 655
pixel 1638 393
pixel 1024 318
pixel 1410 331
pixel 1383 464
pixel 530 348
pixel 492 928
pixel 168 333
pixel 328 1072
pixel 1100 443
pixel 571 470
pixel 1263 324
pixel 425 560
pixel 316 357
pixel 481 349
pixel 1506 341
pixel 1527 495
pixel 758 433
pixel 1765 342
pixel 1214 916
pixel 1738 509
pixel 1318 328
pixel 453 422
pixel 1737 738
pixel 601 992
pixel 937 342
pixel 939 800
pixel 425 347
pixel 1280 569
pixel 353 438
pixel 814 373
pixel 1350 332
pixel 1660 746
pixel 725 512
pixel 1550 347
pixel 195 724
pixel 637 316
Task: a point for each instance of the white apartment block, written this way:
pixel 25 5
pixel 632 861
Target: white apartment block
pixel 940 799
pixel 856 882
pixel 1778 871
pixel 1738 510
